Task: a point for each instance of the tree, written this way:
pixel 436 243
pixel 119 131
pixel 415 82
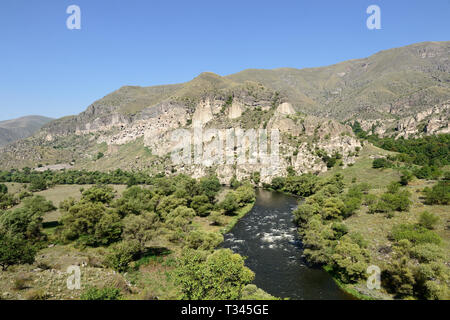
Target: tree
pixel 278 183
pixel 230 203
pixel 23 222
pixel 121 254
pixel 15 250
pixel 180 218
pixel 349 261
pixel 221 275
pixel 245 194
pixel 102 194
pixel 201 205
pixel 406 178
pixel 200 240
pixel 38 183
pixel 210 186
pixel 439 194
pixel 142 228
pixel 380 163
pixel 91 223
pixel 304 185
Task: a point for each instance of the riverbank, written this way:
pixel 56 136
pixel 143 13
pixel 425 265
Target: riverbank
pixel 235 219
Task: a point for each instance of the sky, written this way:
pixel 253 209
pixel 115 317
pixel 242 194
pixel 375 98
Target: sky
pixel 48 69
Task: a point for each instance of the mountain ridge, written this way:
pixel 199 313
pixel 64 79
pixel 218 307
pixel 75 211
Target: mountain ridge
pixel 399 92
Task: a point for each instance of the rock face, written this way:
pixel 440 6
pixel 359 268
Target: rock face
pixel 401 92
pixel 432 120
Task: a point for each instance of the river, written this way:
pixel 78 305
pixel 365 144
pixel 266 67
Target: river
pixel 268 238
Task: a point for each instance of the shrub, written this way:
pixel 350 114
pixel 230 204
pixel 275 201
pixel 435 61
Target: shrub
pixel 428 220
pixel 278 183
pixel 349 261
pixel 221 275
pixel 217 218
pixel 142 228
pixel 203 240
pixel 122 254
pixel 3 189
pixel 439 194
pixel 107 293
pixel 36 294
pixel 102 194
pixel 381 163
pixel 427 252
pixel 415 234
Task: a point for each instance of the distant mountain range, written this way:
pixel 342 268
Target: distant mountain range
pixel 16 129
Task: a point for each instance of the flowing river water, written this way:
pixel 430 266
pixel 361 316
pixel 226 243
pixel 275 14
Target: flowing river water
pixel 268 238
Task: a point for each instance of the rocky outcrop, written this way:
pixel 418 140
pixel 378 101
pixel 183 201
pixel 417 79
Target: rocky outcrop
pixel 433 120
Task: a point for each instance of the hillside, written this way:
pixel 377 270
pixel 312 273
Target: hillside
pixel 401 92
pixel 16 129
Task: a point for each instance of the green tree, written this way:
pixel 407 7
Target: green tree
pixel 121 254
pixel 38 183
pixel 142 228
pixel 15 250
pixel 221 275
pixel 349 261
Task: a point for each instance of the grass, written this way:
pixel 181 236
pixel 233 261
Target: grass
pixel 362 170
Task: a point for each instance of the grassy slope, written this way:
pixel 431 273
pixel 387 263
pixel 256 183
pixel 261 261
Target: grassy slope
pixel 376 227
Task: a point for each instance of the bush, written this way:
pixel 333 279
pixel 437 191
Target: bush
pixel 221 275
pixel 200 240
pixel 102 194
pixel 439 194
pixel 90 223
pixel 381 163
pixel 142 228
pixel 416 234
pixel 349 261
pixel 304 185
pixel 428 220
pixel 122 254
pixel 107 293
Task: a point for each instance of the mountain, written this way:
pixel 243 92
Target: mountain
pixel 16 129
pixel 398 92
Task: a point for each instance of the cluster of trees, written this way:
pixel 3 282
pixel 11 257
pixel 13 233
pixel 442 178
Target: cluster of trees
pixel 21 232
pixel 432 151
pixel 41 180
pixel 302 186
pixel 418 268
pixel 130 222
pixel 325 237
pixel 427 151
pixel 238 198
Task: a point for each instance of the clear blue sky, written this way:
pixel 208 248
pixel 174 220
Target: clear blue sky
pixel 49 70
